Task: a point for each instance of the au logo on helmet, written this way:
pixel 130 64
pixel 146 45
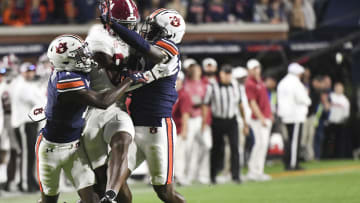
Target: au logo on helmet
pixel 61 48
pixel 175 21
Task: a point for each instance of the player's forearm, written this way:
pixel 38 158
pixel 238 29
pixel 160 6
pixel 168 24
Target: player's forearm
pixel 184 120
pixel 204 114
pixel 111 96
pixel 256 110
pixel 242 113
pixel 137 42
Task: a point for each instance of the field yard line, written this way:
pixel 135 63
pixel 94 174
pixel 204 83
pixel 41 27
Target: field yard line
pixel 315 171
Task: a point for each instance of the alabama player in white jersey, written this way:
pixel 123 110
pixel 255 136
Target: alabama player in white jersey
pixel 113 126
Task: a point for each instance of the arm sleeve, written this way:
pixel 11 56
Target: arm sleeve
pixel 130 37
pixel 99 41
pixel 208 94
pixel 250 92
pixel 301 95
pixel 71 82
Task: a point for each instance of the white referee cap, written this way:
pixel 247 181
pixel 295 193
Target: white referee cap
pixel 253 63
pixel 239 72
pixel 296 69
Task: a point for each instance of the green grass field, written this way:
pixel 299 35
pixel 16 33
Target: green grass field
pixel 325 181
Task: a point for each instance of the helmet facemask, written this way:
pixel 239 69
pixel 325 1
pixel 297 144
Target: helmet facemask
pixel 151 31
pixel 83 58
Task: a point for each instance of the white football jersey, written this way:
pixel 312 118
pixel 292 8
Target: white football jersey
pixel 99 40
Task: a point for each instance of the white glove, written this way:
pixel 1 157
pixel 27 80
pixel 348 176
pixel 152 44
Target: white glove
pixel 37 113
pixel 162 70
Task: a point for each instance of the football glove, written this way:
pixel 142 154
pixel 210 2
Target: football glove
pixel 138 77
pixel 109 197
pixel 162 70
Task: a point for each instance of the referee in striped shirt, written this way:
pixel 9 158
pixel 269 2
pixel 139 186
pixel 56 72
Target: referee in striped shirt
pixel 223 97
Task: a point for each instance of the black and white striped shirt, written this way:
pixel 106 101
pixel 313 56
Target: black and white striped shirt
pixel 223 99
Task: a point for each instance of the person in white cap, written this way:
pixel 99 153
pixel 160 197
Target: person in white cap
pixel 293 102
pixel 261 121
pixel 187 63
pixel 210 68
pixel 240 74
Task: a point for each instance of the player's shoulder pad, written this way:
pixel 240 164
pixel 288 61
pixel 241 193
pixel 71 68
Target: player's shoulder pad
pixel 168 46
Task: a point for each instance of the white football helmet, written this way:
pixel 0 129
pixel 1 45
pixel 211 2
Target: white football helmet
pixel 70 53
pixel 164 23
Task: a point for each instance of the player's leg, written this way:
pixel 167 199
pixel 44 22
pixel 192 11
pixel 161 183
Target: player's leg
pixel 88 195
pixel 48 170
pixel 118 162
pixel 159 147
pixel 77 169
pixel 168 194
pixel 48 199
pixel 118 132
pixel 124 195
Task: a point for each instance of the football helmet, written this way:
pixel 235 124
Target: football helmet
pixel 70 53
pixel 125 12
pixel 164 23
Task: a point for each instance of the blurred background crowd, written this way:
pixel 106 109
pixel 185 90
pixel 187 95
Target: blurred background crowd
pixel 299 14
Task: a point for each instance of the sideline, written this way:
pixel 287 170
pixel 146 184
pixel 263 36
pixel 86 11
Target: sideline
pixel 318 171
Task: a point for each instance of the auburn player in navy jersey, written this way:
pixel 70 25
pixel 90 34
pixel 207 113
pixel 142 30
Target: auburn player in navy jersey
pixel 151 105
pixel 58 146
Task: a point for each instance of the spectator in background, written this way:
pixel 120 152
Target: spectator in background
pixel 276 12
pixel 217 11
pixel 152 6
pixel 187 63
pixel 197 143
pixel 4 137
pixel 322 115
pixel 41 11
pixel 17 13
pixel 210 68
pixel 270 84
pixel 261 11
pixel 224 98
pixel 240 74
pixel 293 108
pixel 302 15
pixel 181 115
pixel 179 6
pixel 196 11
pixel 241 9
pixel 297 16
pixel 335 144
pixel 24 96
pixel 307 142
pixel 85 10
pixel 261 121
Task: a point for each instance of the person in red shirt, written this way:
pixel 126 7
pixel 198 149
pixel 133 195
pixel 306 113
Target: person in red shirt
pixel 181 114
pixel 261 121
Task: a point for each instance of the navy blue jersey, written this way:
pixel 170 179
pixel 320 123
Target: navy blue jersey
pixel 154 101
pixel 64 121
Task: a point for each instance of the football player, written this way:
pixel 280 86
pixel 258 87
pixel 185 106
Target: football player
pixel 151 105
pixel 58 145
pixel 113 126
